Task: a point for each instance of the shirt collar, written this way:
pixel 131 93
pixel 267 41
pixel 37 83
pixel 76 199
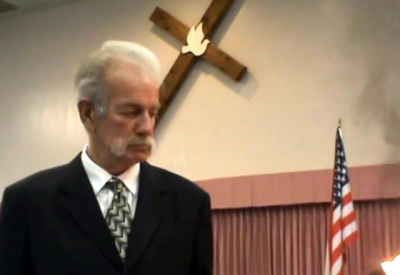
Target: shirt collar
pixel 98 177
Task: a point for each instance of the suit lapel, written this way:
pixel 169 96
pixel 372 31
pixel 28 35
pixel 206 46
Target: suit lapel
pixel 77 195
pixel 149 212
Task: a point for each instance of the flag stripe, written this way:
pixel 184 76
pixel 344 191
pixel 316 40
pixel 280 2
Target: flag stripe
pixel 336 240
pixel 349 229
pixel 346 189
pixel 336 215
pixel 347 199
pixel 347 210
pixel 349 218
pixel 337 266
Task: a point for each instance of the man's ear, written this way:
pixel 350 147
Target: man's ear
pixel 87 113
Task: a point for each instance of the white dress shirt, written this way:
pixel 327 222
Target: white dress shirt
pixel 98 177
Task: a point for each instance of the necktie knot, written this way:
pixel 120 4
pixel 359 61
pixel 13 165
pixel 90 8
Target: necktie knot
pixel 116 185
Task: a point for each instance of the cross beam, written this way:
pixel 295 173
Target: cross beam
pixel 185 62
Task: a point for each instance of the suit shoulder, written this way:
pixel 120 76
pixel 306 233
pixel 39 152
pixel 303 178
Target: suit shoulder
pixel 39 179
pixel 178 182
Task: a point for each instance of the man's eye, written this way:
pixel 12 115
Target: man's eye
pixel 130 113
pixel 154 114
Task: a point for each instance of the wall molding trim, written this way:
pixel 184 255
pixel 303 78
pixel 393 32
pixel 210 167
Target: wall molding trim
pixel 373 182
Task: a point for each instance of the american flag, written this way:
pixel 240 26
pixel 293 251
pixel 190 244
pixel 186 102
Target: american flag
pixel 342 227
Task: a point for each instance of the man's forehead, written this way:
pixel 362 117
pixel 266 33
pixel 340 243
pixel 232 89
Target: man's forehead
pixel 138 104
pixel 129 78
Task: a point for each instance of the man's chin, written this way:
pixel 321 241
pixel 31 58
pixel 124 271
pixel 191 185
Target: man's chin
pixel 138 154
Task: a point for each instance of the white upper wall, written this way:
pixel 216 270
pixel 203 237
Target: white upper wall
pixel 310 63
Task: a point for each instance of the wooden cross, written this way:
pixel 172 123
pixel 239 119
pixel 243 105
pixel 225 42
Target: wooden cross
pixel 185 62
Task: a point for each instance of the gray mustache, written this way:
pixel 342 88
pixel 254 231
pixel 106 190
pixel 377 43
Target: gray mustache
pixel 140 140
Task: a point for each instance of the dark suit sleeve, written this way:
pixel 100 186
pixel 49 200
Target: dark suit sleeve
pixel 202 263
pixel 13 235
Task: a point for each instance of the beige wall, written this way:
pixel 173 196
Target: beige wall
pixel 310 63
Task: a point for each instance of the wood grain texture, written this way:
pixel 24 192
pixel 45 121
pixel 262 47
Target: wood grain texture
pixel 221 60
pixel 173 80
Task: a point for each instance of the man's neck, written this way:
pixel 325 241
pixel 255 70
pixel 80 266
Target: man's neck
pixel 112 164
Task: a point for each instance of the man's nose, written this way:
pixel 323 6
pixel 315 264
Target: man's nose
pixel 145 125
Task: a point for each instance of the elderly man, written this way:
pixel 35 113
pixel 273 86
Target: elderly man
pixel 108 211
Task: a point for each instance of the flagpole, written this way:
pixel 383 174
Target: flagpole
pixel 340 123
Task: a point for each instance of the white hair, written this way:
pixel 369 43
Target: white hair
pixel 89 81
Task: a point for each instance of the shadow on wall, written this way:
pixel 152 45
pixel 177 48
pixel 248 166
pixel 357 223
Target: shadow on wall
pixel 374 32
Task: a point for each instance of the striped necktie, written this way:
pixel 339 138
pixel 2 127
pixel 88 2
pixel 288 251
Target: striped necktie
pixel 118 217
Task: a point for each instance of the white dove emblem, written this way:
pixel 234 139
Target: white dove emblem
pixel 195 42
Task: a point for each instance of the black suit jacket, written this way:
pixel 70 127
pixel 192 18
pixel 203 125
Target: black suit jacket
pixel 51 224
